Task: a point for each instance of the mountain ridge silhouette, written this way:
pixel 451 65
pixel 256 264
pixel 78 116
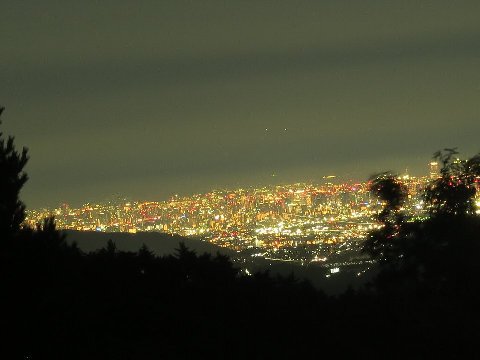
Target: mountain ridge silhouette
pixel 159 243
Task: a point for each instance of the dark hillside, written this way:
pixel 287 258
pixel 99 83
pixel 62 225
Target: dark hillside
pixel 159 243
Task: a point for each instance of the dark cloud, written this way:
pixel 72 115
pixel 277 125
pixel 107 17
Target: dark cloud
pixel 162 97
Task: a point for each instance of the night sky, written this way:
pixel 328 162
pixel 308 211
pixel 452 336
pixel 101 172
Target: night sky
pixel 151 98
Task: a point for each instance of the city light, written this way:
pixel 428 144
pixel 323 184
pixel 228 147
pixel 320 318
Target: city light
pixel 301 221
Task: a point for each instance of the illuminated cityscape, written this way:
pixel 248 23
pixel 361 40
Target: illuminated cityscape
pixel 300 222
pixel 322 224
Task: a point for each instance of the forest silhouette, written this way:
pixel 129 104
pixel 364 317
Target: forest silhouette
pixel 59 302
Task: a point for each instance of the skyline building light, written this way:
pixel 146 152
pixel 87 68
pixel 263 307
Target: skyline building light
pixel 434 172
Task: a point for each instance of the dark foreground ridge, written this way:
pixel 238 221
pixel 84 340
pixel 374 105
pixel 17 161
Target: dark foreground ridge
pixel 162 244
pixel 59 302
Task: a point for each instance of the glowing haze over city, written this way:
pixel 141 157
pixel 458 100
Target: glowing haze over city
pixel 182 97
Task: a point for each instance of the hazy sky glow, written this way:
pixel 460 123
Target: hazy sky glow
pixel 151 98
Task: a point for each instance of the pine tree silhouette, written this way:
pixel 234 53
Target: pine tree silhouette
pixel 12 179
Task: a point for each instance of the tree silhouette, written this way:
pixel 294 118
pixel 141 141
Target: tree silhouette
pixel 434 253
pixel 383 243
pixel 12 163
pixel 453 193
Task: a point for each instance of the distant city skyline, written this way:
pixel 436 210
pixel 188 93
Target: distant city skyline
pixel 292 222
pixel 271 181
